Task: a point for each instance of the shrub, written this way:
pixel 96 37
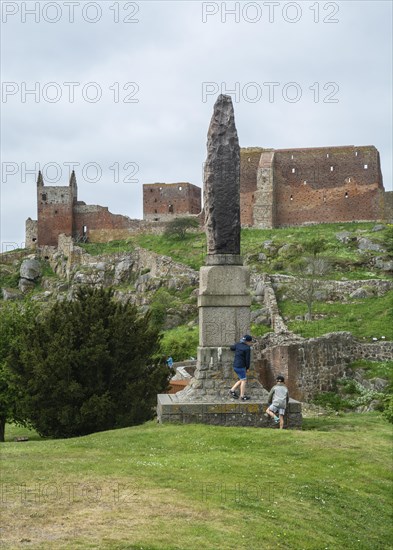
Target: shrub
pixel 86 366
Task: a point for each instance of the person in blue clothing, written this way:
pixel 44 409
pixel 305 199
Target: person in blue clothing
pixel 169 362
pixel 241 364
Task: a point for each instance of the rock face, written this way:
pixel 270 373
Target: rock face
pixel 222 181
pixel 30 269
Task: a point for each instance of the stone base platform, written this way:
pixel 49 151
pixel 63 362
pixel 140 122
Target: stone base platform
pixel 231 413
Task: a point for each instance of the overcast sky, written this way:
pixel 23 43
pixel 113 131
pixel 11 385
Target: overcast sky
pixel 126 89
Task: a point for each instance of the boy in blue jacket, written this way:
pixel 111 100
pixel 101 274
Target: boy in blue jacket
pixel 241 364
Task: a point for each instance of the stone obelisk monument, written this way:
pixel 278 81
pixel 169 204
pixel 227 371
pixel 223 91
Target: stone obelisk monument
pixel 224 300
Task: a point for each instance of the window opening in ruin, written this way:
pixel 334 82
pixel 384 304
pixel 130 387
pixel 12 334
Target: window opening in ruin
pixel 331 168
pixel 62 196
pixel 160 188
pixel 151 190
pixel 291 157
pixel 156 219
pixel 46 257
pixel 249 159
pixel 324 199
pixel 346 194
pixel 365 166
pixel 34 239
pixel 327 155
pixel 155 200
pixel 305 182
pixel 155 211
pixel 55 211
pixel 291 198
pixel 293 170
pixel 84 230
pixel 356 153
pixel 170 208
pixel 43 196
pixel 180 187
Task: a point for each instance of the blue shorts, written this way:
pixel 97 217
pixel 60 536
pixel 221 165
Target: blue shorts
pixel 241 372
pixel 276 410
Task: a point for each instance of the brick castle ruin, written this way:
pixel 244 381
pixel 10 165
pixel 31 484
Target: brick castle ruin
pixel 278 188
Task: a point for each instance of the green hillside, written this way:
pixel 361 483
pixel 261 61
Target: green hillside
pixel 172 487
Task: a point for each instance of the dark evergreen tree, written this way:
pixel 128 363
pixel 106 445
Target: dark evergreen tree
pixel 15 317
pixel 87 366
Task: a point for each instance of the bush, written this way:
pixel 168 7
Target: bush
pixel 181 343
pixel 178 227
pixel 86 366
pixel 388 408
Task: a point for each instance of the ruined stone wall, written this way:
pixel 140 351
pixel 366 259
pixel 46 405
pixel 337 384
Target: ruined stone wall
pixel 31 233
pixel 54 213
pixel 265 201
pixel 389 206
pixel 328 184
pixel 98 224
pixel 312 365
pixel 164 201
pixel 249 160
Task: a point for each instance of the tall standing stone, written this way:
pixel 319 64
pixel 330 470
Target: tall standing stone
pixel 222 181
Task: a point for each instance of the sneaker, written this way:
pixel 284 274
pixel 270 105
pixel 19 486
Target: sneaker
pixel 245 398
pixel 276 419
pixel 233 394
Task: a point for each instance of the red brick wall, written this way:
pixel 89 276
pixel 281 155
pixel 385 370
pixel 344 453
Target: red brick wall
pixel 54 206
pixel 170 199
pixel 94 217
pixel 327 184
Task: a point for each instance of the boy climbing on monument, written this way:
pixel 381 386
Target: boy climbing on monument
pixel 278 397
pixel 241 364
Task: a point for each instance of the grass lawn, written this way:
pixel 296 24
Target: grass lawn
pixel 202 487
pixel 365 318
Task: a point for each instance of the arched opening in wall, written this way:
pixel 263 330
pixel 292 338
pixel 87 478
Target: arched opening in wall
pixel 155 200
pixel 180 187
pixel 305 182
pixel 170 208
pixel 327 155
pixel 44 196
pixel 155 211
pixel 291 198
pixel 331 168
pixel 151 190
pixel 346 194
pixel 84 230
pixel 365 166
pixel 34 239
pixel 56 211
pixel 293 170
pixel 356 153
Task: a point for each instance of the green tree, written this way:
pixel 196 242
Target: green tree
pixel 15 320
pixel 87 366
pixel 178 227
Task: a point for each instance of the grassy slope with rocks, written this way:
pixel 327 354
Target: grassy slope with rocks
pixel 270 251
